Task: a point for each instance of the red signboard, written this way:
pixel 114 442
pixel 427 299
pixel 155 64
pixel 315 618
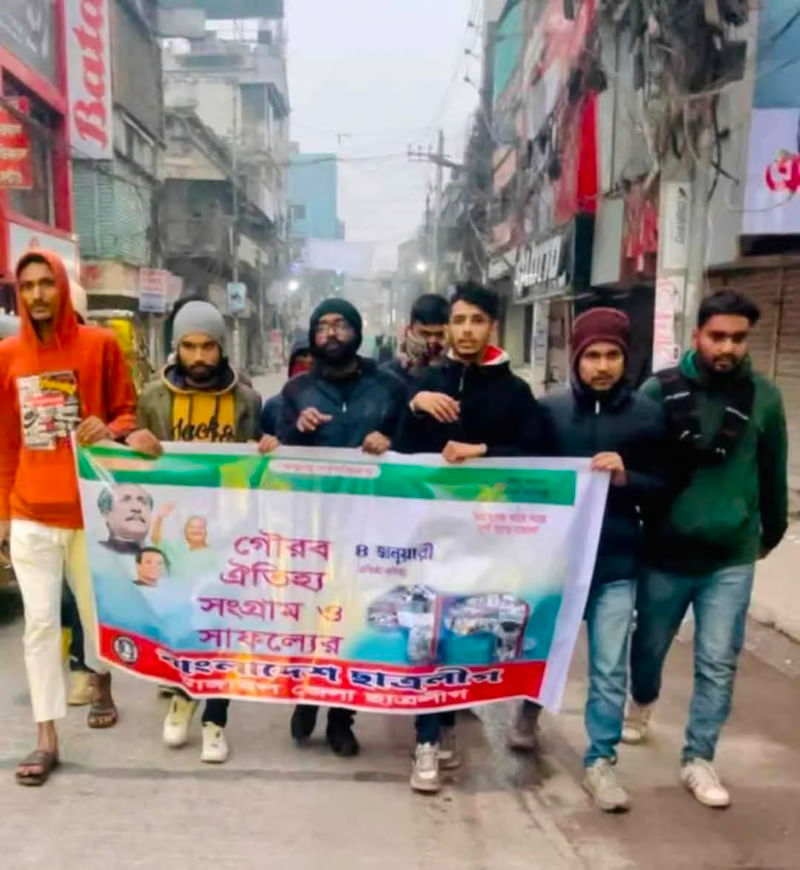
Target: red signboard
pixel 16 163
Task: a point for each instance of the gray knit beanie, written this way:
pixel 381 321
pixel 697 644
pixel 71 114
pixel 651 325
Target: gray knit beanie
pixel 199 317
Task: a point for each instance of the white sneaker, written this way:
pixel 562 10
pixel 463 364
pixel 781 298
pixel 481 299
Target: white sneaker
pixel 176 725
pixel 215 746
pixel 449 754
pixel 425 770
pixel 523 736
pixel 702 781
pixel 637 722
pixel 600 780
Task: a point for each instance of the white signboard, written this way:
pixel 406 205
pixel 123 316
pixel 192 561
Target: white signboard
pixel 153 289
pixel 22 239
pixel 675 222
pixel 669 302
pixel 771 201
pixel 88 43
pixel 237 297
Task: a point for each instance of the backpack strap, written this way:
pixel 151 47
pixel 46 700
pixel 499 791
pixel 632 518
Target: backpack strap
pixel 680 407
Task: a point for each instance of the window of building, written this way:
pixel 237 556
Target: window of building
pixel 298 212
pixel 36 203
pixel 134 144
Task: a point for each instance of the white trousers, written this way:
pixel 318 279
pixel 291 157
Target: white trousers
pixel 41 556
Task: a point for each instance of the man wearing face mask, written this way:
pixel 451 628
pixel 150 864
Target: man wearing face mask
pixel 424 341
pixel 344 401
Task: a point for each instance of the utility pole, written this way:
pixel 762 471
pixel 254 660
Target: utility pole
pixel 441 162
pixel 696 266
pixel 437 217
pixel 234 242
pixel 683 222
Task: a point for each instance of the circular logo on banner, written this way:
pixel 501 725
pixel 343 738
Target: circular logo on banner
pixel 126 650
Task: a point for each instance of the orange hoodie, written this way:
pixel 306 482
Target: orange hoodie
pixel 45 391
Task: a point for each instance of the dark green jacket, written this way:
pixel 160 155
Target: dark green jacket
pixel 154 409
pixel 733 512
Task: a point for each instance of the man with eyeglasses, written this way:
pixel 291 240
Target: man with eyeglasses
pixel 344 401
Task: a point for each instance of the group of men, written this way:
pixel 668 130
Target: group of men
pixel 696 460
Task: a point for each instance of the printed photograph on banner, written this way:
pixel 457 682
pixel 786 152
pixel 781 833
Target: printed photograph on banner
pixel 374 585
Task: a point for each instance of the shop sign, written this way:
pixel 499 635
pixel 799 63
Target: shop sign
pixel 22 238
pixel 541 268
pixel 772 204
pixel 89 79
pixel 153 289
pixel 16 163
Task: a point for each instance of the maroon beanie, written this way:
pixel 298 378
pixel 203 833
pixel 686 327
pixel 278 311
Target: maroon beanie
pixel 600 324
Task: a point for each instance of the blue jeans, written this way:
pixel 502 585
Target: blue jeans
pixel 429 725
pixel 609 616
pixel 719 601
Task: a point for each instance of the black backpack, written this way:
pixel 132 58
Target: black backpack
pixel 683 420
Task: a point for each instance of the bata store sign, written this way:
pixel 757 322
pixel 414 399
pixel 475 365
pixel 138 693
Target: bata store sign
pixel 22 238
pixel 89 78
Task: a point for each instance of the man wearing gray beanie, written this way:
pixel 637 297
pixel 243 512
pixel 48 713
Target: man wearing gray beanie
pixel 195 311
pixel 198 397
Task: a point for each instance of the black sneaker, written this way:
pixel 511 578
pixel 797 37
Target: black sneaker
pixel 304 720
pixel 342 740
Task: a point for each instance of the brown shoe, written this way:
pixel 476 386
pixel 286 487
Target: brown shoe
pixel 102 712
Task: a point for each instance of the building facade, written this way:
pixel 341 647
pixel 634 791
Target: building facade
pixel 233 83
pixel 35 174
pixel 117 134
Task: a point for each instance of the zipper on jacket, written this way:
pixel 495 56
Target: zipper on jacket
pixel 344 407
pixel 461 381
pixel 597 407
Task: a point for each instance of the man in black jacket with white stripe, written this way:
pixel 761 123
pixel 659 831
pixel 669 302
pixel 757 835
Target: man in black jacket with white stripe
pixel 623 431
pixel 470 406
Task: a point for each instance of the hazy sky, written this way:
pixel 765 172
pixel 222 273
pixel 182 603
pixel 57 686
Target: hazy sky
pixel 368 78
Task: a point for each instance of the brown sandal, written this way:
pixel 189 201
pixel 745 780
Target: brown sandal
pixel 46 761
pixel 102 712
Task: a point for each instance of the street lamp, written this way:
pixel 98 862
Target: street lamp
pixel 293 285
pixel 421 267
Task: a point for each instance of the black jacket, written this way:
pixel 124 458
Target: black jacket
pixel 497 409
pixel 370 401
pixel 632 425
pixel 271 411
pixel 396 368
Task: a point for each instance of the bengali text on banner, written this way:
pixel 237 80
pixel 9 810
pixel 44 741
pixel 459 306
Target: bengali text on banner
pixel 397 584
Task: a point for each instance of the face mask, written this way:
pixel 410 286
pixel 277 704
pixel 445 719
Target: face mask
pixel 419 352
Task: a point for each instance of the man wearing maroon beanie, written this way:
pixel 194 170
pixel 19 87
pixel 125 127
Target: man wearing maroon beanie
pixel 602 417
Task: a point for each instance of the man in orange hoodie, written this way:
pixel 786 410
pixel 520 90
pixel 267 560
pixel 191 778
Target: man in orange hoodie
pixel 56 377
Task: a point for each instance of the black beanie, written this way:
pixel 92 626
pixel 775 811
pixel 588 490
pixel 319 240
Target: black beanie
pixel 336 305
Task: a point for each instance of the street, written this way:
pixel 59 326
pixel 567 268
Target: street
pixel 274 805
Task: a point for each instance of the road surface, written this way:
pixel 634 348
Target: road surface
pixel 122 799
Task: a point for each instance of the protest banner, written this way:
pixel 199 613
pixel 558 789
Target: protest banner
pixel 397 584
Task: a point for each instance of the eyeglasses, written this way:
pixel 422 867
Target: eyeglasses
pixel 340 328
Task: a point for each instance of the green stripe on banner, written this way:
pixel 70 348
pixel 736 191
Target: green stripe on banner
pixel 387 480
